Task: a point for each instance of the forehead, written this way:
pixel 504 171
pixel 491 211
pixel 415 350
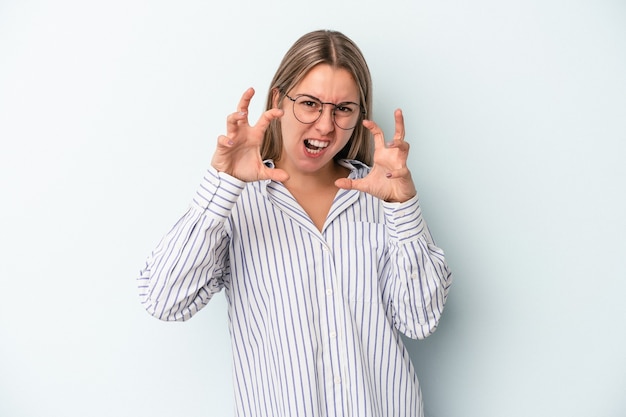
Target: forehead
pixel 328 84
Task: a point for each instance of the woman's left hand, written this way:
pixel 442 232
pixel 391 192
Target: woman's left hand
pixel 390 179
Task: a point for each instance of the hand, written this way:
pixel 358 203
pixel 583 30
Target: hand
pixel 390 179
pixel 238 153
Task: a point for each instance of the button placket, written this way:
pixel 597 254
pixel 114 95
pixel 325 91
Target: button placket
pixel 333 355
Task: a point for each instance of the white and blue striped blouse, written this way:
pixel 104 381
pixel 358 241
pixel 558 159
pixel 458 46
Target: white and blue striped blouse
pixel 314 316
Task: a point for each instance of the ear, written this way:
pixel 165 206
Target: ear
pixel 275 98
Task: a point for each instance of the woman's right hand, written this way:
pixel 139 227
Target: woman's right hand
pixel 238 153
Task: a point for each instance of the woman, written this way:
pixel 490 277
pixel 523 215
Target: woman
pixel 323 259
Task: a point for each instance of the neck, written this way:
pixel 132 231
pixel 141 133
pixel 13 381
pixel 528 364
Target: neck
pixel 323 178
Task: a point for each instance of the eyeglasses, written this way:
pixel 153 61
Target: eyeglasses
pixel 308 109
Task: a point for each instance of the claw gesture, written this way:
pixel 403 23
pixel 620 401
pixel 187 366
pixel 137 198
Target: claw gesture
pixel 390 179
pixel 238 153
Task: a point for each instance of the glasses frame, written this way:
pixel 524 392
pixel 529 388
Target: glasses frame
pixel 335 106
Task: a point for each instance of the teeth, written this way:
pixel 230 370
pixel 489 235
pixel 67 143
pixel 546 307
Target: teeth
pixel 318 143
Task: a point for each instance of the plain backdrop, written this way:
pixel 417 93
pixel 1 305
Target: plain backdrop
pixel 516 113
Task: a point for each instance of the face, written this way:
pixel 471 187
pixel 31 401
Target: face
pixel 310 148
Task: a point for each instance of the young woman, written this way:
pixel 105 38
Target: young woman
pixel 316 236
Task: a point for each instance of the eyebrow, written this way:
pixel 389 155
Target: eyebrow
pixel 326 102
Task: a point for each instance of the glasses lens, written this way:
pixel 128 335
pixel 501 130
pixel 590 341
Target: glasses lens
pixel 308 109
pixel 347 115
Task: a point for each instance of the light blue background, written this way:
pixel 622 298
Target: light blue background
pixel 516 112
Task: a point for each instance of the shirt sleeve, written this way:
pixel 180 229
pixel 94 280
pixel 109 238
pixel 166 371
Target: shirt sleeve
pixel 191 263
pixel 419 277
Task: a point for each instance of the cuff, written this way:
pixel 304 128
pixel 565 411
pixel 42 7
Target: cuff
pixel 218 192
pixel 404 220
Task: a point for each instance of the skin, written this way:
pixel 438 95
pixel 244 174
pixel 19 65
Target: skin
pixel 306 169
pixel 310 177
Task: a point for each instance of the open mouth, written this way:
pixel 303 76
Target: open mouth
pixel 315 146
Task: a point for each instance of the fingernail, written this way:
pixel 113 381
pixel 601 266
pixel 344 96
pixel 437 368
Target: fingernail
pixel 388 175
pixel 230 142
pixel 242 113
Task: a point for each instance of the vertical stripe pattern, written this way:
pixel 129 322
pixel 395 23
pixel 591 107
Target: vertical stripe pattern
pixel 314 316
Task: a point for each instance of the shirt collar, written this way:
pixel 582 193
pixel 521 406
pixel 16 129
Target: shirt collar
pixel 357 170
pixel 352 164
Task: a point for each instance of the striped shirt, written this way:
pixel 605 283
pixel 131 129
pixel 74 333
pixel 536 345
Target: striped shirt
pixel 314 316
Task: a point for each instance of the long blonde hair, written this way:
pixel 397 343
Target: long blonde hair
pixel 338 51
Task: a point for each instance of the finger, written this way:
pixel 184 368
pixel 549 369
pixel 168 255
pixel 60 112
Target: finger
pixel 267 117
pixel 398 173
pixel 241 116
pixel 399 121
pixel 276 174
pixel 244 102
pixel 233 119
pixel 349 184
pixel 402 145
pixel 223 140
pixel 344 183
pixel 379 137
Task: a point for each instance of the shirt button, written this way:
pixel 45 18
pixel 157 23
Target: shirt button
pixel 414 275
pixel 329 292
pixel 333 334
pixel 337 380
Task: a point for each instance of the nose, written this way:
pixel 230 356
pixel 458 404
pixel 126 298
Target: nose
pixel 326 122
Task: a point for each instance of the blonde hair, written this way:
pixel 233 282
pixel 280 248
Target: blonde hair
pixel 322 47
